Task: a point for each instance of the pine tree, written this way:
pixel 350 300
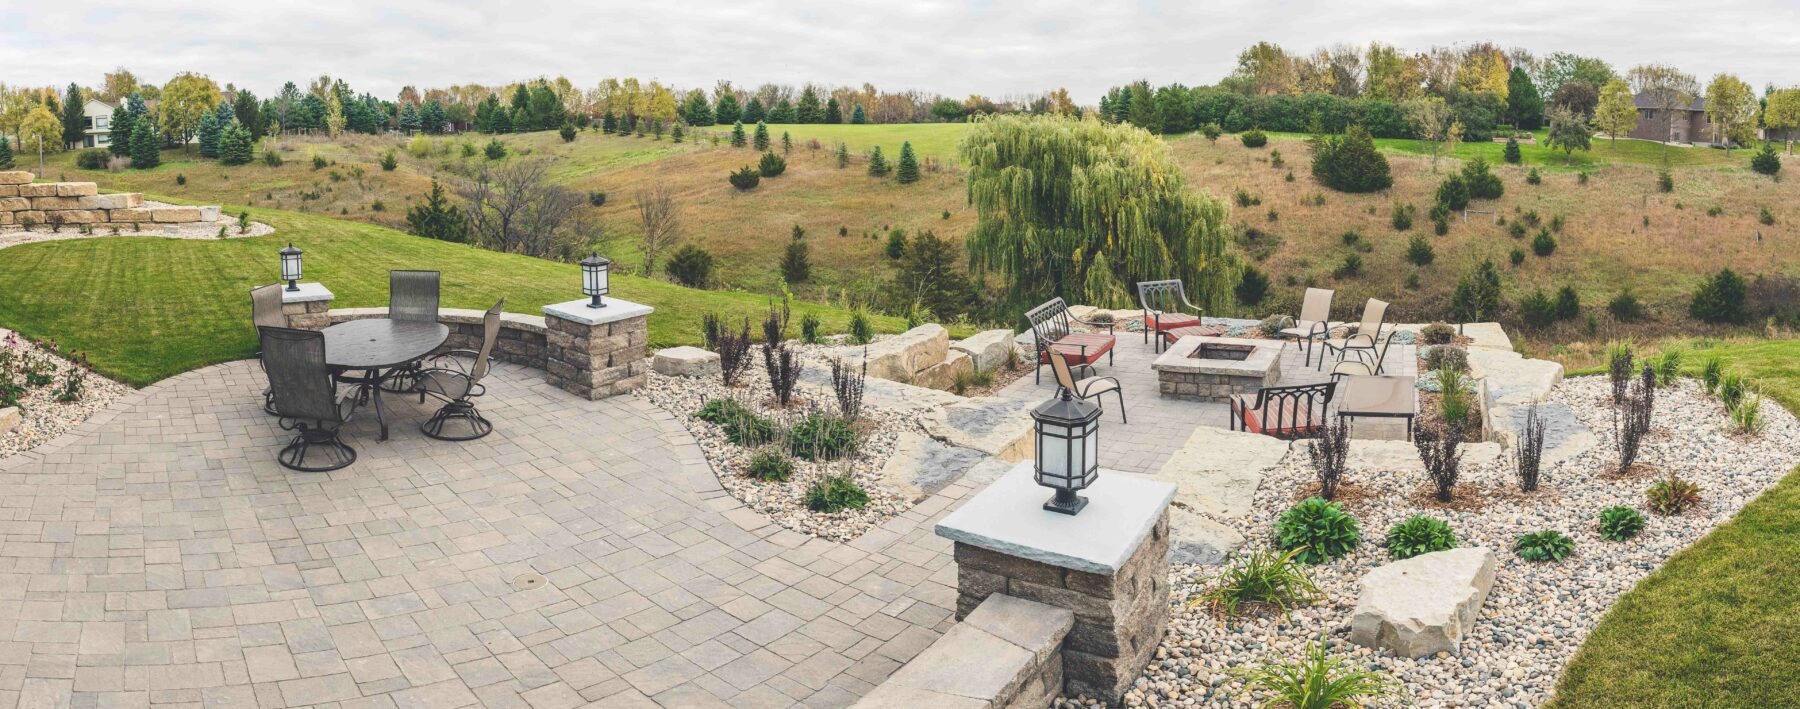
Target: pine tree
pixel 843 156
pixel 787 143
pixel 502 122
pixel 833 114
pixel 796 263
pixel 908 171
pixel 567 132
pixel 6 153
pixel 120 144
pixel 783 111
pixel 209 135
pixel 754 110
pixel 858 117
pixel 145 151
pixel 677 134
pixel 432 117
pixel 609 123
pixel 1512 153
pixel 762 137
pixel 409 119
pixel 726 109
pixel 878 166
pixel 695 111
pixel 74 130
pixel 235 145
pixel 737 134
pixel 437 218
pixel 807 110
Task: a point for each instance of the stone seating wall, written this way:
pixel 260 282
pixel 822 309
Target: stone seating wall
pixel 41 204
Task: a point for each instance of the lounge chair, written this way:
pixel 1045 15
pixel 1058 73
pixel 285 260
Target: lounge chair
pixel 1369 340
pixel 1314 323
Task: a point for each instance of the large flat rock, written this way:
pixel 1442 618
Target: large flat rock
pixel 1424 605
pixel 943 375
pixel 1513 380
pixel 921 466
pixel 685 361
pixel 1217 470
pixel 899 357
pixel 1565 436
pixel 881 392
pixel 997 426
pixel 1403 456
pixel 987 350
pixel 1196 539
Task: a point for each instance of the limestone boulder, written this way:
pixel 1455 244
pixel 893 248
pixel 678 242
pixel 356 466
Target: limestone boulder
pixel 175 215
pixel 15 177
pixel 76 189
pixel 41 189
pixel 989 350
pixel 943 375
pixel 1195 539
pixel 899 357
pixel 1217 470
pixel 209 214
pixel 9 419
pixel 685 361
pixel 1424 605
pixel 921 465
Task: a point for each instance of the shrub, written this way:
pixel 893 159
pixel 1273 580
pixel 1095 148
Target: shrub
pixel 771 165
pixel 1245 199
pixel 1319 681
pixel 1438 447
pixel 1543 244
pixel 1548 545
pixel 734 352
pixel 568 133
pixel 822 436
pixel 1454 193
pixel 1533 178
pixel 1437 333
pixel 1318 530
pixel 1668 365
pixel 1211 131
pixel 1747 416
pixel 781 364
pixel 494 150
pixel 1619 523
pixel 270 158
pixel 771 466
pixel 1712 370
pixel 1351 267
pixel 1349 163
pixel 180 179
pixel 1537 309
pixel 1328 454
pixel 1665 182
pixel 836 493
pixel 862 332
pixel 690 266
pixel 1419 251
pixel 1632 423
pixel 1765 161
pixel 1482 183
pixel 1568 303
pixel 1419 534
pixel 809 329
pixel 92 159
pixel 1625 307
pixel 1252 286
pixel 1528 453
pixel 1402 215
pixel 1620 363
pixel 896 244
pixel 389 162
pixel 596 199
pixel 742 426
pixel 745 178
pixel 1446 357
pixel 1512 153
pixel 1732 389
pixel 1261 579
pixel 1673 495
pixel 1766 217
pixel 1253 138
pixel 1720 298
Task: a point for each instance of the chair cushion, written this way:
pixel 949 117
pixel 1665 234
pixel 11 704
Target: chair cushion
pixel 1165 321
pixel 1274 418
pixel 1080 347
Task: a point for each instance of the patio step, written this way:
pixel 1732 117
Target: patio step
pixel 1007 653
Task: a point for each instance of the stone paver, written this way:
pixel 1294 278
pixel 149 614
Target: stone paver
pixel 159 554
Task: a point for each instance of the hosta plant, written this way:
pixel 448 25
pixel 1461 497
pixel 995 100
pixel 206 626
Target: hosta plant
pixel 1417 535
pixel 1318 530
pixel 1548 545
pixel 1619 523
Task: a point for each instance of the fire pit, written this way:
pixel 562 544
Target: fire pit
pixel 1214 368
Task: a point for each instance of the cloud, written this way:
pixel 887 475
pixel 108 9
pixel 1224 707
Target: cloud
pixel 992 47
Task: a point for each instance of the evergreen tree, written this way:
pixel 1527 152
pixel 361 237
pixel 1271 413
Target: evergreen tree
pixel 783 111
pixel 1523 100
pixel 521 107
pixel 609 123
pixel 807 110
pixel 695 111
pixel 677 134
pixel 6 153
pixel 248 111
pixel 833 115
pixel 432 117
pixel 754 111
pixel 546 111
pixel 878 166
pixel 796 263
pixel 485 114
pixel 502 122
pixel 787 143
pixel 858 117
pixel 928 276
pixel 726 109
pixel 409 119
pixel 1350 163
pixel 120 144
pixel 908 172
pixel 209 135
pixel 74 131
pixel 737 134
pixel 567 132
pixel 437 219
pixel 843 156
pixel 146 151
pixel 762 136
pixel 235 145
pixel 1512 153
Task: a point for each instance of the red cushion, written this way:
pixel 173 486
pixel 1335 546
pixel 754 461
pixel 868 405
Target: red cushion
pixel 1169 320
pixel 1277 416
pixel 1080 347
pixel 1200 330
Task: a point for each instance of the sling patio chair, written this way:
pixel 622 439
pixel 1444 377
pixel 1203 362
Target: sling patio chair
pixel 1089 388
pixel 1050 331
pixel 1369 340
pixel 1286 412
pixel 413 296
pixel 265 311
pixel 1314 323
pixel 307 400
pixel 457 384
pixel 1163 302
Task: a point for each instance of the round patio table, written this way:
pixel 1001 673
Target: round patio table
pixel 378 348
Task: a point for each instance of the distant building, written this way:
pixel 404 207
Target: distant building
pixel 96 123
pixel 1688 124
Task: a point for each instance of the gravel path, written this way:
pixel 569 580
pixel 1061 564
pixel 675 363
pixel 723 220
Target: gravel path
pixel 1537 614
pixel 43 417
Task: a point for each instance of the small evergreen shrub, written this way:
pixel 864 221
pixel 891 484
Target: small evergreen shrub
pixel 1619 523
pixel 745 178
pixel 1446 357
pixel 1253 138
pixel 1454 193
pixel 1437 333
pixel 1482 182
pixel 1419 251
pixel 1543 244
pixel 1665 182
pixel 1765 217
pixel 1625 306
pixel 690 266
pixel 1512 153
pixel 836 493
pixel 1533 178
pixel 1765 161
pixel 862 332
pixel 389 161
pixel 809 329
pixel 1720 298
pixel 1548 545
pixel 1318 530
pixel 1419 534
pixel 771 165
pixel 92 159
pixel 1402 215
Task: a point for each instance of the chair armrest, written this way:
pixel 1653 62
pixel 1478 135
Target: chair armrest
pixel 1091 381
pixel 1108 325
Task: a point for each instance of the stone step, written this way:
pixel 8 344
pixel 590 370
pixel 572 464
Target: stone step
pixel 1006 653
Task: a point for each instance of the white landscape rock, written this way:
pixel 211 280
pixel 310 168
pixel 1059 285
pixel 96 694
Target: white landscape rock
pixel 900 357
pixel 1424 605
pixel 9 419
pixel 943 375
pixel 685 361
pixel 1216 472
pixel 989 349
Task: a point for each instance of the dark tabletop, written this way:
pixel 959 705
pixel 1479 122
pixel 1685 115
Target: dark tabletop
pixel 380 343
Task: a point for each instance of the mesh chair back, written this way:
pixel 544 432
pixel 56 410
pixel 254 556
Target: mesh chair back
pixel 299 380
pixel 413 295
pixel 1160 296
pixel 1374 315
pixel 1316 307
pixel 265 306
pixel 1064 378
pixel 490 331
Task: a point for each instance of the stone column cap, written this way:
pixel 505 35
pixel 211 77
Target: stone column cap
pixel 308 293
pixel 1008 518
pixel 616 309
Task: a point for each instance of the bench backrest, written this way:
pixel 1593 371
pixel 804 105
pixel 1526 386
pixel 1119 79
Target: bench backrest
pixel 1160 296
pixel 1049 322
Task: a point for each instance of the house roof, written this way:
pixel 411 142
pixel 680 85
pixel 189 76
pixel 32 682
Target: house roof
pixel 1645 99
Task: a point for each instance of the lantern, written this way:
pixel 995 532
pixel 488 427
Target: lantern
pixel 593 278
pixel 290 266
pixel 1068 444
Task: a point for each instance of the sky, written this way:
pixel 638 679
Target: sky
pixel 997 48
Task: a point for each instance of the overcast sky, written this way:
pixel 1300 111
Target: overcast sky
pixel 993 47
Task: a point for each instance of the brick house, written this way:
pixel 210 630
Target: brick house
pixel 1688 124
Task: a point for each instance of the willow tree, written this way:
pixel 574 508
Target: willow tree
pixel 1084 210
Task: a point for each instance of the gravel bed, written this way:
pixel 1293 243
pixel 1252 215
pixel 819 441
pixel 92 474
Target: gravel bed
pixel 14 236
pixel 784 502
pixel 43 418
pixel 1537 613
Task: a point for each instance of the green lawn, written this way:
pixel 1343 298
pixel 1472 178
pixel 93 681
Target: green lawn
pixel 1604 152
pixel 147 308
pixel 939 140
pixel 1719 625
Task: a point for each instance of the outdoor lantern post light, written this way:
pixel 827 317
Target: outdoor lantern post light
pixel 1068 443
pixel 290 266
pixel 593 278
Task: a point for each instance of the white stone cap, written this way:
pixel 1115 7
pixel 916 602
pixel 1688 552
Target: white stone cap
pixel 615 310
pixel 308 293
pixel 1009 518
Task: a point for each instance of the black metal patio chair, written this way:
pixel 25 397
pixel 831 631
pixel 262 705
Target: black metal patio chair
pixel 412 295
pixel 457 384
pixel 307 400
pixel 1163 303
pixel 265 311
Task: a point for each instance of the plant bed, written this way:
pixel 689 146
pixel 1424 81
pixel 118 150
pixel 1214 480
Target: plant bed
pixel 1538 612
pixel 45 409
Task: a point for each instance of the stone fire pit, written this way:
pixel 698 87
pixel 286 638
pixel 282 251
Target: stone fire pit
pixel 1214 368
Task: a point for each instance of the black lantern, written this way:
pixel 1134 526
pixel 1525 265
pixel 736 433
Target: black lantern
pixel 290 266
pixel 1068 443
pixel 593 278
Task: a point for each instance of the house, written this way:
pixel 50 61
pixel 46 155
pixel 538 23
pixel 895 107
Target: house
pixel 1688 124
pixel 96 123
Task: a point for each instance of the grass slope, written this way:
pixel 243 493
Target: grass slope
pixel 1719 624
pixel 1604 151
pixel 147 308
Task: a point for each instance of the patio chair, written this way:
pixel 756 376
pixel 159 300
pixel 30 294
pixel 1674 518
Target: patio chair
pixel 1050 331
pixel 1163 302
pixel 1286 412
pixel 306 399
pixel 412 295
pixel 1368 340
pixel 1089 388
pixel 457 384
pixel 1314 323
pixel 265 311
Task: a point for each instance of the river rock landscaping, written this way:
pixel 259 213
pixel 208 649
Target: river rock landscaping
pixel 43 395
pixel 1538 612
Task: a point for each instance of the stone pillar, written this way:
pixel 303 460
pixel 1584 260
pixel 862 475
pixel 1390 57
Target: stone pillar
pixel 308 308
pixel 596 352
pixel 1108 565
